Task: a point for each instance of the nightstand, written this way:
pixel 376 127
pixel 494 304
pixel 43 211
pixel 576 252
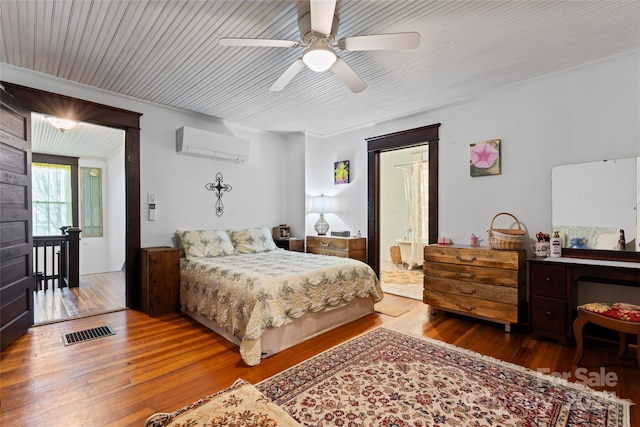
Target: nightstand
pixel 345 247
pixel 160 279
pixel 290 244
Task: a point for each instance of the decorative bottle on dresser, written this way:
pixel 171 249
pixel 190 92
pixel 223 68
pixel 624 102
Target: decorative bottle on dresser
pixel 556 245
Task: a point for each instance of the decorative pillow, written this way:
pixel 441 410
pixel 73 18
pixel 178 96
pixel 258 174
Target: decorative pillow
pixel 204 243
pixel 618 310
pixel 251 240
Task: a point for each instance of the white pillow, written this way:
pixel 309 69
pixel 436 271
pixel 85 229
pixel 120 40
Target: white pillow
pixel 252 240
pixel 204 243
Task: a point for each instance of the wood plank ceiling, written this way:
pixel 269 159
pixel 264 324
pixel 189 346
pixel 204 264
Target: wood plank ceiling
pixel 166 52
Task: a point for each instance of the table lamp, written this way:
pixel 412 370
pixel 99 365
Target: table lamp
pixel 322 205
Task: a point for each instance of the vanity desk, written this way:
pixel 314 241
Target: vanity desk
pixel 554 284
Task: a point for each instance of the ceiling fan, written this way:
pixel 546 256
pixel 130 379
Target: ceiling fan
pixel 318 30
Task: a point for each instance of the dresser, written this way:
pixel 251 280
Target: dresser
pixel 345 247
pixel 476 281
pixel 160 279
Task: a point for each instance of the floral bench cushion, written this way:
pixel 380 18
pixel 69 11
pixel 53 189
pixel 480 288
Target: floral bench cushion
pixel 618 310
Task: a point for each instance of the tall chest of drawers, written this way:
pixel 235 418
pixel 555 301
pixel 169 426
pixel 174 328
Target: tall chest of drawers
pixel 476 281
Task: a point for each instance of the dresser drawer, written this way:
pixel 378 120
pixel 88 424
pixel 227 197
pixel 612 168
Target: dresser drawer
pixel 475 256
pixel 355 248
pixel 503 294
pixel 548 280
pixel 549 314
pixel 472 306
pixel 336 243
pixel 493 276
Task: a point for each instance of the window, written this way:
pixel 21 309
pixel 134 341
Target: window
pixel 51 198
pixel 91 202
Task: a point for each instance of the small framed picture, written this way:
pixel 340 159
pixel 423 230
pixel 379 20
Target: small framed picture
pixel 341 172
pixel 485 158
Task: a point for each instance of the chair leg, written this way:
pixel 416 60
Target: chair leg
pixel 578 324
pixel 638 348
pixel 623 345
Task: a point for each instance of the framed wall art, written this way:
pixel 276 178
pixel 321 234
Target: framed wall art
pixel 485 158
pixel 341 172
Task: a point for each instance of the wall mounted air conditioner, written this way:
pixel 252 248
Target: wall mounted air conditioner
pixel 202 143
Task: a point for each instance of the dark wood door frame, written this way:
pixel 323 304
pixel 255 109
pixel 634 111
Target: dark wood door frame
pixel 390 142
pixel 103 115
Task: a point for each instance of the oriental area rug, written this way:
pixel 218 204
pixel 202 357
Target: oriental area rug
pixel 236 406
pixel 387 378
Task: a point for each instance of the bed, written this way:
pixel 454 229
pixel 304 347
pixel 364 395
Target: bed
pixel 266 299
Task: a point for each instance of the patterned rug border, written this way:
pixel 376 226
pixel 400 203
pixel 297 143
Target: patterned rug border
pixel 625 403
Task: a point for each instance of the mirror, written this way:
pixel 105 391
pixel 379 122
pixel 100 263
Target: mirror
pixel 593 202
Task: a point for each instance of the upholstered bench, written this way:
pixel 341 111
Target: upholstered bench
pixel 621 317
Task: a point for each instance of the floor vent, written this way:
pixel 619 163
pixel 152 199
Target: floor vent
pixel 87 335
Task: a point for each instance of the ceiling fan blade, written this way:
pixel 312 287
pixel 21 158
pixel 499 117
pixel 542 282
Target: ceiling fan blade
pixel 348 76
pixel 322 15
pixel 258 42
pixel 381 42
pixel 287 76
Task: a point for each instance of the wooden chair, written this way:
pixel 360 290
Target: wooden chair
pixel 621 317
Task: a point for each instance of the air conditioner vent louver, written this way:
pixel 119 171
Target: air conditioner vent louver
pixel 202 143
pixel 87 335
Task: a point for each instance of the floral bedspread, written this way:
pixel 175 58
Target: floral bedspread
pixel 248 293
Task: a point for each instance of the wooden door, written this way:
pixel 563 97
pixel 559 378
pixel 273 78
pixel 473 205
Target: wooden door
pixel 16 240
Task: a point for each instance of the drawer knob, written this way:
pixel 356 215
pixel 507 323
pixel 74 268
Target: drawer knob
pixel 466 275
pixel 549 314
pixel 462 291
pixel 548 280
pixel 465 307
pixel 462 259
pixel 326 245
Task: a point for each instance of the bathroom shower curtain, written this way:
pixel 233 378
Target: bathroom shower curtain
pixel 416 186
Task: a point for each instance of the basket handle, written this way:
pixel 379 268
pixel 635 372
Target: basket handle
pixel 505 213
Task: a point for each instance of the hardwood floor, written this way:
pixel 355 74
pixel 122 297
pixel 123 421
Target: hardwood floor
pixel 161 364
pixel 97 293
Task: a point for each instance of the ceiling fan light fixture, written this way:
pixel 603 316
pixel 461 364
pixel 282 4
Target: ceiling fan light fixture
pixel 319 58
pixel 62 124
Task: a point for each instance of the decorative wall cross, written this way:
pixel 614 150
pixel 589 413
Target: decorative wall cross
pixel 218 188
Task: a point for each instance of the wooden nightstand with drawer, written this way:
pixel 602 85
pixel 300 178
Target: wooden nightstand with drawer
pixel 160 280
pixel 476 281
pixel 345 247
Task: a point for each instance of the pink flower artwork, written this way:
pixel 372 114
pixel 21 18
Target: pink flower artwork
pixel 485 158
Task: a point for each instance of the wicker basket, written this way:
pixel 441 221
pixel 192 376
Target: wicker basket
pixel 506 239
pixel 396 257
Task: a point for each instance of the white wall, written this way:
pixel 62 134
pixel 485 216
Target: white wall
pixel 294 190
pixel 107 252
pixel 349 200
pixel 258 194
pixel 394 207
pixel 115 212
pixel 583 115
pixel 572 117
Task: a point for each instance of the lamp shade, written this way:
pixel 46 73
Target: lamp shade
pixel 62 124
pixel 321 204
pixel 319 58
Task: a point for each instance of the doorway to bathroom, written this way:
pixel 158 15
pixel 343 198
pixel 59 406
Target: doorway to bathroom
pixel 415 150
pixel 404 219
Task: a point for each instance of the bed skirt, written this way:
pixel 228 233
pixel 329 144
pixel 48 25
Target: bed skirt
pixel 274 340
